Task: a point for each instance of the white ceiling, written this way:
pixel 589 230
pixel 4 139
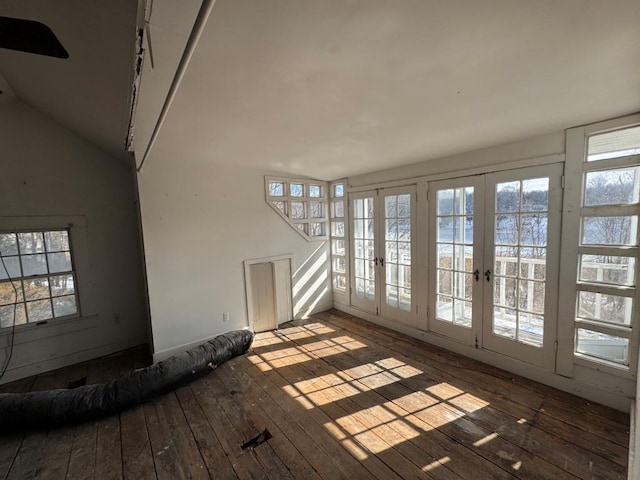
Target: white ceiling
pixel 334 88
pixel 90 92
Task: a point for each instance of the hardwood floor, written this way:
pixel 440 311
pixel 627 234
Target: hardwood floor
pixel 332 397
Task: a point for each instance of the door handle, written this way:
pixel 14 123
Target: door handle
pixel 487 275
pixel 375 260
pixel 476 274
pixel 381 262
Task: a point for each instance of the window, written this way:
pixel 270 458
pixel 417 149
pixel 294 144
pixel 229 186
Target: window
pixel 607 263
pixel 338 238
pixel 302 203
pixel 37 277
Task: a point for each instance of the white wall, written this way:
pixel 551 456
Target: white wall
pixel 47 171
pixel 200 222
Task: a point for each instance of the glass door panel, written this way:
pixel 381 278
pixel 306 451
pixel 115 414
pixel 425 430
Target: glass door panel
pixel 396 256
pixel 454 209
pixel 522 260
pixel 363 268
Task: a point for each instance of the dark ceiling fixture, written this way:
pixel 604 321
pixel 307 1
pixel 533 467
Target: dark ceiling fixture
pixel 30 36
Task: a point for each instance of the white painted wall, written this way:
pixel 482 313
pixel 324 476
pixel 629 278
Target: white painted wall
pixel 200 222
pixel 46 170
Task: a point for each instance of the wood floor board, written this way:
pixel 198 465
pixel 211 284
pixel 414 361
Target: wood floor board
pixel 175 451
pixel 572 410
pixel 215 459
pixel 244 394
pixel 341 399
pixel 244 463
pixel 543 444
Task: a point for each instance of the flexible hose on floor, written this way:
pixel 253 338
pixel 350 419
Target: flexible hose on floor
pixel 19 411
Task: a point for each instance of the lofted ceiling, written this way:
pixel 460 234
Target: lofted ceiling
pixel 332 88
pixel 90 92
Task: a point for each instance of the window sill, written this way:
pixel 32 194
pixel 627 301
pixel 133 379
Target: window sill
pixel 53 328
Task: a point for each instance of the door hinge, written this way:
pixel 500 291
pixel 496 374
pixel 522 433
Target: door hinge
pixel 377 313
pixel 416 309
pixel 476 341
pixel 562 181
pixel 428 312
pixel 428 195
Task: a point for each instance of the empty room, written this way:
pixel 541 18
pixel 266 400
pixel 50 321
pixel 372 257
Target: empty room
pixel 294 239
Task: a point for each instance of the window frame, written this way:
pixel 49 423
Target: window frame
pixel 307 220
pixel 84 291
pixel 333 199
pixel 576 169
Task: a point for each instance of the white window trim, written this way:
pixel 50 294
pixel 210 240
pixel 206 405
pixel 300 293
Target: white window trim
pixel 341 295
pixel 576 145
pixel 324 199
pixel 77 227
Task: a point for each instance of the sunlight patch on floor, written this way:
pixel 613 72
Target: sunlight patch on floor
pixel 436 464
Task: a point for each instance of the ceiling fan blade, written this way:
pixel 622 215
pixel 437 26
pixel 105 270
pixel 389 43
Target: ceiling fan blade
pixel 30 36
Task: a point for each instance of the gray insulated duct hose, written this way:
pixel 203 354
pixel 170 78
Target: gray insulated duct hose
pixel 31 410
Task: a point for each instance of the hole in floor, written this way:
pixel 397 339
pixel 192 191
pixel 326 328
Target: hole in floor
pixel 262 437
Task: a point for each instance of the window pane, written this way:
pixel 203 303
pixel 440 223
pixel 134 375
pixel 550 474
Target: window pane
pixel 303 227
pixel 31 242
pixel 618 230
pixel 338 190
pixel 445 202
pixel 298 210
pixel 601 345
pixel 611 187
pixel 338 209
pixel 613 270
pixel 444 309
pixel 297 190
pixel 59 262
pixel 507 229
pixel 9 313
pixel 317 229
pixel 36 289
pixel 614 144
pixel 61 285
pixel 276 189
pixel 337 228
pixel 404 206
pixel 57 241
pixel 508 197
pixel 338 247
pixel 63 306
pixel 535 195
pixel 504 322
pixel 533 229
pixel 12 266
pixel 8 244
pixel 315 191
pixel 39 310
pixel 605 308
pixel 316 210
pixel 10 293
pixel 530 329
pixel 33 265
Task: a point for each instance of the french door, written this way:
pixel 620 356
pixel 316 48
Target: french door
pixel 494 243
pixel 382 224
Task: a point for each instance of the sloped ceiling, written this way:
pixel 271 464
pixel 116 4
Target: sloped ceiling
pixel 335 88
pixel 90 92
